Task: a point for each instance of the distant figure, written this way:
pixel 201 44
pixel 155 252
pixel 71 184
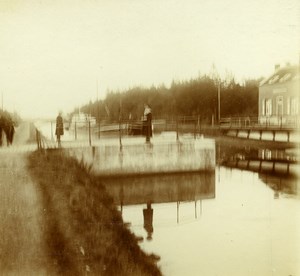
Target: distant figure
pixel 59 130
pixel 1 128
pixel 148 119
pixel 0 133
pixel 7 128
pixel 10 134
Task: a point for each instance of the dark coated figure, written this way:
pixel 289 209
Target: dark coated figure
pixel 148 121
pixel 6 128
pixel 59 130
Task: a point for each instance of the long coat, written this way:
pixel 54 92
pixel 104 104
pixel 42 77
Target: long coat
pixel 59 130
pixel 149 124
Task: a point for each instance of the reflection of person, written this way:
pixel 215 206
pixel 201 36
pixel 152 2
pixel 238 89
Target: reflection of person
pixel 148 220
pixel 59 130
pixel 148 118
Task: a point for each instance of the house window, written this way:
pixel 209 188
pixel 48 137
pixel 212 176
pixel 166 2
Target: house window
pixel 263 107
pixel 269 107
pixel 294 106
pixel 274 79
pixel 285 77
pixel 279 105
pixel 288 106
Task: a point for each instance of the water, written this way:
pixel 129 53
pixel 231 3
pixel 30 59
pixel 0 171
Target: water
pixel 230 222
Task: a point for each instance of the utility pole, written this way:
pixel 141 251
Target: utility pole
pixel 120 118
pixel 98 112
pixel 2 100
pixel 219 101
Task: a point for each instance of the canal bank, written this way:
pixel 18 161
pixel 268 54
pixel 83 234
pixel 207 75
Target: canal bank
pixel 85 233
pixel 164 154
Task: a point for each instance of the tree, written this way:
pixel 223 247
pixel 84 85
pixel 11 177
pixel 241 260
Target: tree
pixel 198 96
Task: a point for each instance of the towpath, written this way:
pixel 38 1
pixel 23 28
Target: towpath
pixel 22 243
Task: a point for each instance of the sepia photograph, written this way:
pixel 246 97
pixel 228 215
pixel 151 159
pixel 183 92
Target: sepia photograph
pixel 149 137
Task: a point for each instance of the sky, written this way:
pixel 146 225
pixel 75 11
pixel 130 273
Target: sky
pixel 57 55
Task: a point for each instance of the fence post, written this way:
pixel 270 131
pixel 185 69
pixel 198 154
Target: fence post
pixel 90 139
pixel 75 131
pixel 120 134
pixel 99 129
pixel 195 128
pixel 177 136
pixel 52 138
pixel 38 139
pixel 200 124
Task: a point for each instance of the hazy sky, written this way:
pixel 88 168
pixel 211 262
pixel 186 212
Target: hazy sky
pixel 52 53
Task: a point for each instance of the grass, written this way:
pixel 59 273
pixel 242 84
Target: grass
pixel 84 231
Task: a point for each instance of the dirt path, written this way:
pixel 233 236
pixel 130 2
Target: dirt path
pixel 22 248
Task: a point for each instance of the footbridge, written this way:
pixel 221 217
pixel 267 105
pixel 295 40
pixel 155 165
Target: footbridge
pixel 276 129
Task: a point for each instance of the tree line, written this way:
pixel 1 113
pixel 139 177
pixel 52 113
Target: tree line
pixel 195 97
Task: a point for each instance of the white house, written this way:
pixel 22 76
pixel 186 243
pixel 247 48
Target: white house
pixel 279 96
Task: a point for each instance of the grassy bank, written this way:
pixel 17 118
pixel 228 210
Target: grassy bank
pixel 84 231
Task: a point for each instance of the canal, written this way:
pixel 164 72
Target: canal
pixel 241 219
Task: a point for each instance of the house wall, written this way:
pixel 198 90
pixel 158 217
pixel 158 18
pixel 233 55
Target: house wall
pixel 289 91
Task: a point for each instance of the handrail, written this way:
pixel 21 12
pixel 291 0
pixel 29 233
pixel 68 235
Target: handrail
pixel 178 124
pixel 261 122
pixel 41 140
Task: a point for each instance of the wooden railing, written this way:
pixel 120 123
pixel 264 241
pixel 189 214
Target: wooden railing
pixel 273 122
pixel 193 125
pixel 41 141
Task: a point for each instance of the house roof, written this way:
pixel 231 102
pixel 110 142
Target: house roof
pixel 281 75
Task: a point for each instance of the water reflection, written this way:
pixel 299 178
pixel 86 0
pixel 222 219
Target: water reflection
pixel 252 219
pixel 161 188
pixel 168 188
pixel 230 152
pixel 148 220
pixel 281 185
pixel 277 168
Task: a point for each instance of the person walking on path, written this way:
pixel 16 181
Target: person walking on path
pixel 59 130
pixel 148 118
pixel 7 128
